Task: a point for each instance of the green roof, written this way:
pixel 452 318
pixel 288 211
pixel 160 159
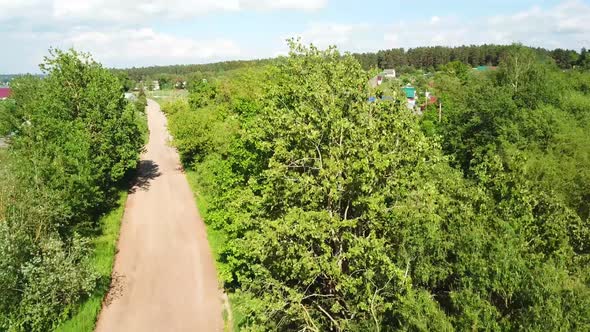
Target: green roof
pixel 482 68
pixel 410 91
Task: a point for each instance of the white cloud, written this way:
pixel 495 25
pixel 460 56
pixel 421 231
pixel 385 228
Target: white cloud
pixel 115 47
pixel 284 4
pixel 139 11
pixel 14 10
pixel 345 36
pixel 122 12
pixel 126 33
pixel 145 46
pixel 122 33
pixel 564 25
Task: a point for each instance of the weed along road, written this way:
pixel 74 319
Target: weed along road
pixel 164 277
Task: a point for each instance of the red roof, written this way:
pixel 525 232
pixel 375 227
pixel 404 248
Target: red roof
pixel 4 93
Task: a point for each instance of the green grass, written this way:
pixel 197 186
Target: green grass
pixel 217 239
pixel 103 256
pixel 167 95
pixel 142 123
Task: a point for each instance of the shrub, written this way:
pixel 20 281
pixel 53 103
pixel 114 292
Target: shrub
pixel 75 140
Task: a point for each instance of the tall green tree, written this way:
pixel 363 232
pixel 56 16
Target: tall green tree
pixel 75 137
pixel 341 215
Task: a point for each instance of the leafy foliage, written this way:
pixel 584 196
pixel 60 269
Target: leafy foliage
pixel 141 102
pixel 473 55
pixel 341 214
pixel 75 138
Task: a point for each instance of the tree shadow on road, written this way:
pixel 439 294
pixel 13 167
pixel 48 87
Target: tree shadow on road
pixel 146 172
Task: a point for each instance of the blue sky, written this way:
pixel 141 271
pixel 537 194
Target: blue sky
pixel 150 32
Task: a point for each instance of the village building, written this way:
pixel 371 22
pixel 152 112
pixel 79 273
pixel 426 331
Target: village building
pixel 130 96
pixel 376 81
pixel 4 93
pixel 155 86
pixel 389 73
pixel 410 92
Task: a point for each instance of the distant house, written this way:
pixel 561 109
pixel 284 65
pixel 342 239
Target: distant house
pixel 180 85
pixel 130 96
pixel 485 68
pixel 155 86
pixel 5 93
pixel 376 81
pixel 410 92
pixel 429 100
pixel 389 73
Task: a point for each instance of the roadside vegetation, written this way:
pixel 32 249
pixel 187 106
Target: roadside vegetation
pixel 101 259
pixel 168 95
pixel 74 140
pixel 342 215
pixel 6 108
pixel 430 58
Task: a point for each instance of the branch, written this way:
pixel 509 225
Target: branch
pixel 308 318
pixel 373 303
pixel 317 295
pixel 327 314
pixel 320 156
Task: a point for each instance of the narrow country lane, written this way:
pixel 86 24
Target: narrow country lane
pixel 164 277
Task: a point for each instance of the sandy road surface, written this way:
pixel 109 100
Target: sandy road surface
pixel 164 277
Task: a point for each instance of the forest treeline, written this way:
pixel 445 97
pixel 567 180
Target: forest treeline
pixel 73 139
pixel 431 58
pixel 403 60
pixel 185 72
pixel 344 215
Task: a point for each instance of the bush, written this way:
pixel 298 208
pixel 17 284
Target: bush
pixel 342 215
pixel 75 140
pixel 175 106
pixel 7 124
pixel 141 102
pixel 43 304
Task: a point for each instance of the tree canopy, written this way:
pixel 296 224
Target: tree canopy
pixel 344 215
pixel 73 140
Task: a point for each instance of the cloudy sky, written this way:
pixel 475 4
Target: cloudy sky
pixel 149 32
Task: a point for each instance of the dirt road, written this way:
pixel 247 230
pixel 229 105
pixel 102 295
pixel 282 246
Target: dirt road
pixel 164 277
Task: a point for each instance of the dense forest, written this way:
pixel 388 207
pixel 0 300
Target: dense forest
pixel 186 72
pixel 73 139
pixel 403 60
pixel 7 78
pixel 431 58
pixel 342 215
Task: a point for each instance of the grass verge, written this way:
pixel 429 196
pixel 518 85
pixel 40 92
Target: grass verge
pixel 167 95
pixel 103 256
pixel 216 238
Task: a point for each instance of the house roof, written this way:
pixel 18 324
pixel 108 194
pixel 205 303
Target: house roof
pixel 409 91
pixel 485 68
pixel 4 92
